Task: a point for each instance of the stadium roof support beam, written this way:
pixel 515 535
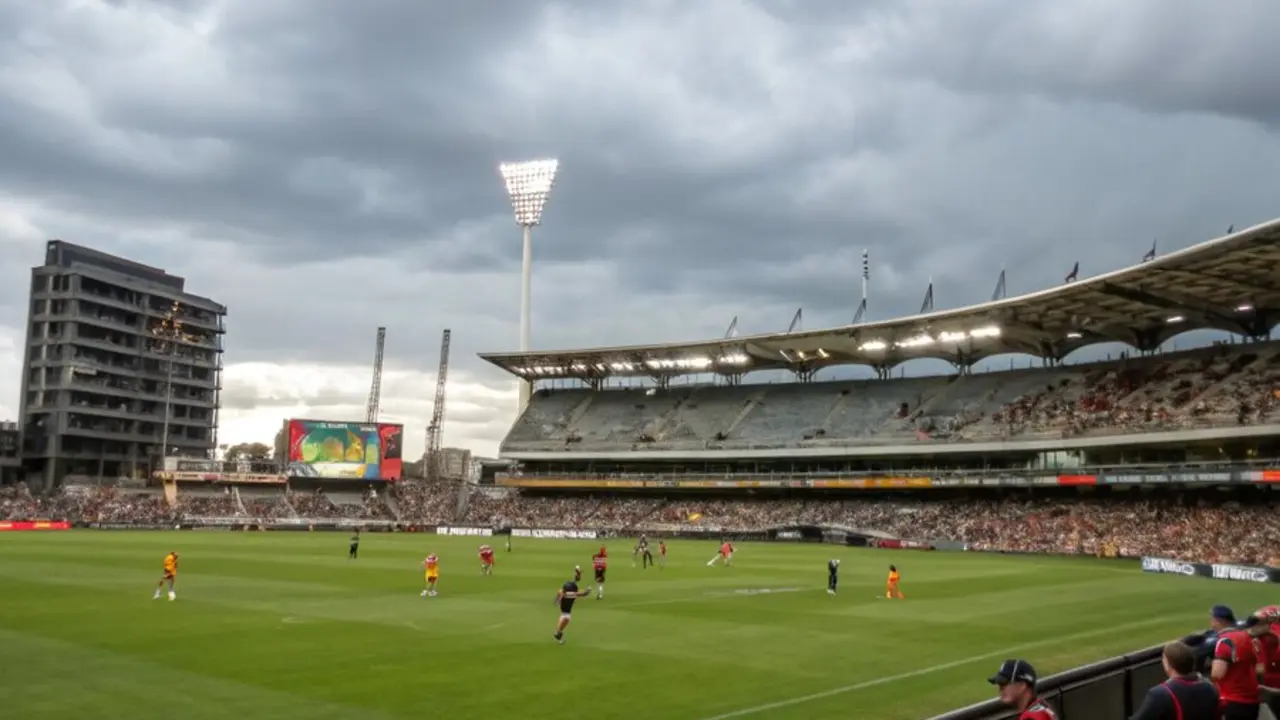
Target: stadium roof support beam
pixel 1174 303
pixel 1237 282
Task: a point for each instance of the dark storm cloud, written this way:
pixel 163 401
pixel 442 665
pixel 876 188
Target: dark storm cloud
pixel 1158 55
pixel 335 162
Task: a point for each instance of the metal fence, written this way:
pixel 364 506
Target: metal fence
pixel 1108 690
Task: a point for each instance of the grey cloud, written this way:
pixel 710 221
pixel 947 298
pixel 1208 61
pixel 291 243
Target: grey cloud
pixel 325 168
pixel 1156 55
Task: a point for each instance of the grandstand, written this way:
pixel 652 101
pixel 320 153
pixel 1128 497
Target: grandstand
pixel 1144 405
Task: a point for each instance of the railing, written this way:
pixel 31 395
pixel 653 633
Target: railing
pixel 915 469
pixel 1108 690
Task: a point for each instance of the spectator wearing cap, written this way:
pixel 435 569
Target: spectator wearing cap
pixel 1185 695
pixel 1266 631
pixel 1234 666
pixel 1017 682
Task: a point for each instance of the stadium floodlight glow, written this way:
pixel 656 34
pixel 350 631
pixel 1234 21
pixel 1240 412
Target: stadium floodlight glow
pixel 1175 320
pixel 529 185
pixel 918 341
pixel 1246 307
pixel 1073 335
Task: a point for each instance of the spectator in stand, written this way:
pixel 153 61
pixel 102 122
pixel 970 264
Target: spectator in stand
pixel 1234 667
pixel 1017 682
pixel 1186 695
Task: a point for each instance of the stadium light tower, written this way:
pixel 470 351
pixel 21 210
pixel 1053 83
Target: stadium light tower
pixel 529 185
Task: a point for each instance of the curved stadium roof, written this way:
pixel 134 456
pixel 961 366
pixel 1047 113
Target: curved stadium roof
pixel 1231 283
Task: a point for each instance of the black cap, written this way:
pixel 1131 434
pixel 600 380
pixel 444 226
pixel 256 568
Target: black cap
pixel 1012 671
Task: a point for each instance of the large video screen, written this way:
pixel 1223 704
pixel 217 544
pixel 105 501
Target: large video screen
pixel 344 450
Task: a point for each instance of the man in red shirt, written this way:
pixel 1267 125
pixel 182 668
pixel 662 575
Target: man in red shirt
pixel 1017 682
pixel 1266 631
pixel 1234 668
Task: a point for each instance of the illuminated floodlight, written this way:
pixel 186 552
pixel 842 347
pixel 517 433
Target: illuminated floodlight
pixel 1246 307
pixel 1175 320
pixel 918 341
pixel 1074 335
pixel 529 185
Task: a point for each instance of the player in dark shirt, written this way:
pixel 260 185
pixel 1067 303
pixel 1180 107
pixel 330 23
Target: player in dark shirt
pixel 833 576
pixel 1185 695
pixel 642 549
pixel 355 545
pixel 565 599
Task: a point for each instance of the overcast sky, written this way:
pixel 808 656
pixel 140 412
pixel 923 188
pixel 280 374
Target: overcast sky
pixel 323 167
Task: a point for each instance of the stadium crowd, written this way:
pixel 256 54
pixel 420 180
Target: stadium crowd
pixel 1220 386
pixel 1209 387
pixel 1193 530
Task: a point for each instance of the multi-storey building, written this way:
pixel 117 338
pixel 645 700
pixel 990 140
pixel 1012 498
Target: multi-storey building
pixel 105 366
pixel 9 439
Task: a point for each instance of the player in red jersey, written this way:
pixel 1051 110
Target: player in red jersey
pixel 486 560
pixel 1017 682
pixel 725 554
pixel 600 563
pixel 662 553
pixel 1234 668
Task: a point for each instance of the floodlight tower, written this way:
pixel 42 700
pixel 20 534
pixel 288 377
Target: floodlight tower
pixel 529 185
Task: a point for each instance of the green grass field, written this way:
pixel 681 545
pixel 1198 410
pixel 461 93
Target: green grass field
pixel 283 625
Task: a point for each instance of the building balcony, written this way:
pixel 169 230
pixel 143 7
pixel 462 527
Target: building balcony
pixel 105 345
pixel 102 320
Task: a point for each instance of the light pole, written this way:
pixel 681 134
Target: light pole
pixel 529 185
pixel 167 333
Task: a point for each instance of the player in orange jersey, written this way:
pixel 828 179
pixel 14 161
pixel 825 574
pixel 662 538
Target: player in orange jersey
pixel 432 567
pixel 170 576
pixel 486 560
pixel 662 553
pixel 892 591
pixel 725 554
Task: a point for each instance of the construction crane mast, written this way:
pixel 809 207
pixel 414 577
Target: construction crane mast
pixel 432 459
pixel 375 391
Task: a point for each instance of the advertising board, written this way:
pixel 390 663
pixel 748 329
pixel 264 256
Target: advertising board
pixel 21 525
pixel 345 450
pixel 1217 571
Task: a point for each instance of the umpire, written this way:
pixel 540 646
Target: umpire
pixel 1185 695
